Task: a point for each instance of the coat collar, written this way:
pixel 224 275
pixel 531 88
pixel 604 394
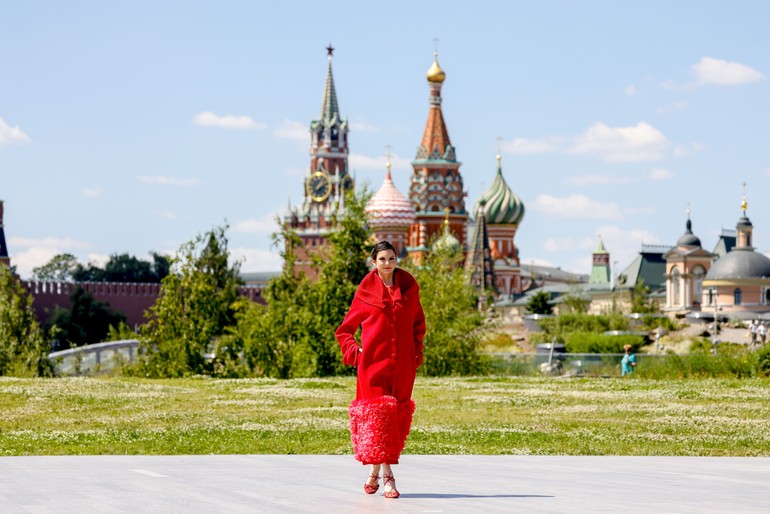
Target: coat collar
pixel 373 292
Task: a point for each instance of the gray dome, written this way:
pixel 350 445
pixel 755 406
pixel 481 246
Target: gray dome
pixel 740 263
pixel 688 238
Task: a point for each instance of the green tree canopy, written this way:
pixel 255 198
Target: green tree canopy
pixel 454 324
pixel 125 268
pixel 60 268
pixel 540 303
pixel 87 321
pixel 23 351
pixel 197 304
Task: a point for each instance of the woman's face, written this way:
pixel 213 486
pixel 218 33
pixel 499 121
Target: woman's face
pixel 385 262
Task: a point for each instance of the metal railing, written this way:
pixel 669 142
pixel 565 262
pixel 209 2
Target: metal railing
pixel 93 359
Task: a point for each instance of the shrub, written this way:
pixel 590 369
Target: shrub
pixel 591 342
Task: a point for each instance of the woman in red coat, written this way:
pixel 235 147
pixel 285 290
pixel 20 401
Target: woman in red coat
pixel 388 310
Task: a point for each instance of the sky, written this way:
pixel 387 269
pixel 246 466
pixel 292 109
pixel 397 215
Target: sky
pixel 131 127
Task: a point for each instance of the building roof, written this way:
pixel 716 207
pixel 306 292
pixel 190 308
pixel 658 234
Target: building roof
pixel 725 243
pixel 330 108
pixel 740 263
pixel 389 208
pixel 501 205
pixel 688 238
pixel 649 266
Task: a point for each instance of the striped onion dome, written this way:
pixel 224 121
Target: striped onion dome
pixel 389 208
pixel 502 206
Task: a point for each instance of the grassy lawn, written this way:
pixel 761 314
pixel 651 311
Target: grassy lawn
pixel 72 416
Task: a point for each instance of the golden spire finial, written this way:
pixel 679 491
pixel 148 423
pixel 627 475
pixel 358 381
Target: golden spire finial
pixel 435 73
pixel 447 210
pixel 744 203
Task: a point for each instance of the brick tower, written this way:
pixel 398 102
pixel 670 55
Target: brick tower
pixel 327 180
pixel 436 183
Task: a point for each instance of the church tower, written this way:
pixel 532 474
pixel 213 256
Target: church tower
pixel 5 260
pixel 600 269
pixel 327 179
pixel 436 183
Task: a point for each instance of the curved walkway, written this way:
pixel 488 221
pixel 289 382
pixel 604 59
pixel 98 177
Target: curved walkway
pixel 334 484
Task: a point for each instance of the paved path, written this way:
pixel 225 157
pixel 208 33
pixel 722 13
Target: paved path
pixel 333 484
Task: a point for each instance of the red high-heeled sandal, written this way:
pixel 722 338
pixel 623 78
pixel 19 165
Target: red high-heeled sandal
pixel 393 493
pixel 371 489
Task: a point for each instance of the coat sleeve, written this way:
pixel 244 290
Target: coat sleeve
pixel 345 334
pixel 419 332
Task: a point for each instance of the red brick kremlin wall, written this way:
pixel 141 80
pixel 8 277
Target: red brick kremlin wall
pixel 133 300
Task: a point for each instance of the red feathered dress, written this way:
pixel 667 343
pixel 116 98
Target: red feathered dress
pixel 392 330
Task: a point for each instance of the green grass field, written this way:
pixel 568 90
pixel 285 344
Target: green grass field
pixel 75 416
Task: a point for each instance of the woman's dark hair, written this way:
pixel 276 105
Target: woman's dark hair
pixel 382 246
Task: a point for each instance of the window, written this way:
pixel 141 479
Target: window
pixel 712 297
pixel 675 278
pixel 697 288
pixel 737 296
pixel 766 296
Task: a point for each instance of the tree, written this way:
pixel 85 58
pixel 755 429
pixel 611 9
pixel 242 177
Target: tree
pixel 59 269
pixel 451 315
pixel 23 351
pixel 540 303
pixel 641 301
pixel 294 334
pixel 125 268
pixel 576 301
pixel 196 306
pixel 87 321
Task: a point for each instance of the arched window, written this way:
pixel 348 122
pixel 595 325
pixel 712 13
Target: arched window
pixel 767 296
pixel 697 287
pixel 675 278
pixel 737 296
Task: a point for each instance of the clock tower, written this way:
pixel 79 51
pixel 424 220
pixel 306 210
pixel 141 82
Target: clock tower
pixel 327 179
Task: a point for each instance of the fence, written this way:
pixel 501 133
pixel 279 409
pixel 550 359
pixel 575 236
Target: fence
pixel 93 359
pixel 562 364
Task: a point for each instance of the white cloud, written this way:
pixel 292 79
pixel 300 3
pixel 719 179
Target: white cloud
pixel 37 252
pixel 688 150
pixel 10 134
pixel 209 119
pixel 568 244
pixel 362 126
pixel 660 174
pixel 253 260
pixel 718 72
pixel 98 259
pixel 523 146
pixel 293 130
pixel 362 162
pixel 598 180
pixel 640 142
pixel 170 181
pixel 169 215
pixel 264 225
pixel 724 73
pixel 630 90
pixel 576 206
pixel 92 191
pixel 674 106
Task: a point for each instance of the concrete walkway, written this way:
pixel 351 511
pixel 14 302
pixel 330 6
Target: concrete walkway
pixel 321 484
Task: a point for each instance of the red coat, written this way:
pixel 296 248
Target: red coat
pixel 387 360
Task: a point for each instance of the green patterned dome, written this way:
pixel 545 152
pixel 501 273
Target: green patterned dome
pixel 502 207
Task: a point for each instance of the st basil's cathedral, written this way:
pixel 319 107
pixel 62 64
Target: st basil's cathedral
pixel 434 213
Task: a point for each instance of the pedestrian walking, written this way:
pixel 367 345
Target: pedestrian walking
pixel 387 308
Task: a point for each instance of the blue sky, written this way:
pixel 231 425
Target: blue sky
pixel 133 126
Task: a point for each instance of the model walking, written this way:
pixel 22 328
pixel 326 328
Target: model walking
pixel 387 308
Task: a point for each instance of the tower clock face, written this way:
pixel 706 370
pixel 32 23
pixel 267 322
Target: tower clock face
pixel 319 186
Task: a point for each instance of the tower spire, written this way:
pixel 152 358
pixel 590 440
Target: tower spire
pixel 329 105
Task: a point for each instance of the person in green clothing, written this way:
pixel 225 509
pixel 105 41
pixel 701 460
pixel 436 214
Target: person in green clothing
pixel 628 364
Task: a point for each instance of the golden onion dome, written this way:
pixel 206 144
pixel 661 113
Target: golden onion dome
pixel 435 73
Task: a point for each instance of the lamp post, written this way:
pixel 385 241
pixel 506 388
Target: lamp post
pixel 714 337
